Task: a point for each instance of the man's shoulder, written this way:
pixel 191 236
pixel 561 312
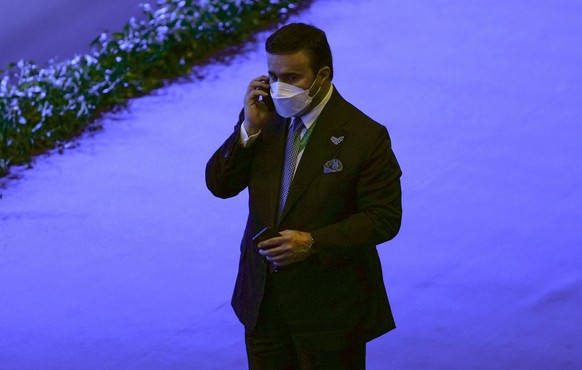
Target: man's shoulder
pixel 359 122
pixel 355 118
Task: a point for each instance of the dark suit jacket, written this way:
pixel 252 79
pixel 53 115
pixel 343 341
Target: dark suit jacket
pixel 338 292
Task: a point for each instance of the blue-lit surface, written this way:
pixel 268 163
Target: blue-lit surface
pixel 39 30
pixel 115 256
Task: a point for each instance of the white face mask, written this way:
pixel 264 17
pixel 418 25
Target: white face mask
pixel 291 100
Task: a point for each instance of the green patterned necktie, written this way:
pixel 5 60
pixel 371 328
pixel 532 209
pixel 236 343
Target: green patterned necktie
pixel 292 150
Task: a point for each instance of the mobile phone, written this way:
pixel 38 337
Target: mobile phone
pixel 266 233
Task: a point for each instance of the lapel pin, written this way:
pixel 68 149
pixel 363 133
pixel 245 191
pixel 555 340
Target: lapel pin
pixel 337 140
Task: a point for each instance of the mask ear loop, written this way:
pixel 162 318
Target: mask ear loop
pixel 320 86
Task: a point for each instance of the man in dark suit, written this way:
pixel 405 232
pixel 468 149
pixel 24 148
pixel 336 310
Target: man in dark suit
pixel 323 176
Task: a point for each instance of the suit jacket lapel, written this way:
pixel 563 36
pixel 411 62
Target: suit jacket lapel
pixel 319 149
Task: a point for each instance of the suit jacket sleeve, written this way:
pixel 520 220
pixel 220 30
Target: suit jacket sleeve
pixel 228 170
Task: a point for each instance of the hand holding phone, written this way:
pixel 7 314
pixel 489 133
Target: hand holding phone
pixel 259 108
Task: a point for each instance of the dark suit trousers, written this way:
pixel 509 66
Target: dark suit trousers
pixel 271 344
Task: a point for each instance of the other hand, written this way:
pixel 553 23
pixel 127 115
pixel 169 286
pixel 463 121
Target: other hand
pixel 292 246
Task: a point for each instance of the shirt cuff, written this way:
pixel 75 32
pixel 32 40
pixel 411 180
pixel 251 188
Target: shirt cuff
pixel 245 139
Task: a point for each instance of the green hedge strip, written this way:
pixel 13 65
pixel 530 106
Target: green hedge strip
pixel 43 108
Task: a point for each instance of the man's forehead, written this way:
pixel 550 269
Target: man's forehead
pixel 288 63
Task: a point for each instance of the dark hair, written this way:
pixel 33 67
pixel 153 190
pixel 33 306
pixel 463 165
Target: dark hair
pixel 296 37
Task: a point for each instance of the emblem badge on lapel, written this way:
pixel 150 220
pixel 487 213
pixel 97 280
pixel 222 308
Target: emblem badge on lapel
pixel 333 166
pixel 337 140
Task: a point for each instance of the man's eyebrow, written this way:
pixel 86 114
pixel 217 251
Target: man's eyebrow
pixel 284 74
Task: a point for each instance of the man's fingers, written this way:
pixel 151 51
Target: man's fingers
pixel 259 83
pixel 272 242
pixel 254 95
pixel 272 253
pixel 279 260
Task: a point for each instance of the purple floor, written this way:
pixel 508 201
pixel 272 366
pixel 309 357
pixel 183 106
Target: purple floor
pixel 39 30
pixel 115 256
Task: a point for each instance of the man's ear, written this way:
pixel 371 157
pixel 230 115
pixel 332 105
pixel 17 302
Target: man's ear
pixel 325 73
